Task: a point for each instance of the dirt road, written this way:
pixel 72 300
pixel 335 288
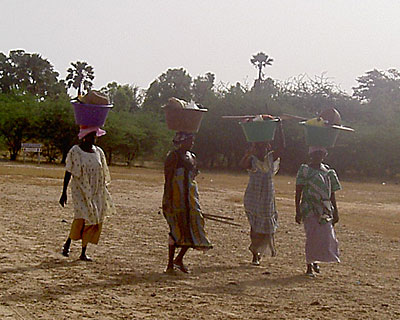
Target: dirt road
pixel 126 279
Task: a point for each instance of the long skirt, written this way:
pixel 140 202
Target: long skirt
pixel 321 242
pixel 87 233
pixel 261 241
pixel 186 220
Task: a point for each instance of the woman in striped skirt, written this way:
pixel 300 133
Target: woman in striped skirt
pixel 181 207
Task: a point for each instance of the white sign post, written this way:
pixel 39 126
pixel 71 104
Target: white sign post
pixel 31 148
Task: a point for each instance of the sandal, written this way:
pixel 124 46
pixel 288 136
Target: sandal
pixel 315 267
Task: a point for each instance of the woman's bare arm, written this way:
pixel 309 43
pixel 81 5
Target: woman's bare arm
pixel 299 192
pixel 169 171
pixel 335 209
pixel 63 198
pixel 245 162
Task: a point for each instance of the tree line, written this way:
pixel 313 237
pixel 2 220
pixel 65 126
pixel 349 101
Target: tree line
pixel 35 107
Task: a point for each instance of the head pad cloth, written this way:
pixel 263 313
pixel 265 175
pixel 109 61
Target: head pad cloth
pixel 84 130
pixel 181 136
pixel 312 149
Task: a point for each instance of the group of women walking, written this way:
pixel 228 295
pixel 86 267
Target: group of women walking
pixel 315 202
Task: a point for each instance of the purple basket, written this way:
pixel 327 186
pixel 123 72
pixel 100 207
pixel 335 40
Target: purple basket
pixel 91 115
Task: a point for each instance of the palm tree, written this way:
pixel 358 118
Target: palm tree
pixel 80 74
pixel 261 60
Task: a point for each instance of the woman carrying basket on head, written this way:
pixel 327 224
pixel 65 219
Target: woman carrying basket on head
pixel 315 200
pixel 181 206
pixel 262 163
pixel 87 165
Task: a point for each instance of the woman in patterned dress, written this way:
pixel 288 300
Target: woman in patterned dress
pixel 316 185
pixel 262 164
pixel 181 207
pixel 87 165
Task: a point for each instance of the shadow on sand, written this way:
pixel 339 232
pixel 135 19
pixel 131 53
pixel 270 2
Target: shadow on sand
pixel 157 279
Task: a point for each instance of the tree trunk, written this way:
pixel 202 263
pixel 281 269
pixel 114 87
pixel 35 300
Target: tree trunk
pixel 13 156
pixel 64 157
pixel 109 158
pixel 259 72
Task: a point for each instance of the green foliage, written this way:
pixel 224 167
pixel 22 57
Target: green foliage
pixel 203 88
pixel 34 107
pixel 28 72
pixel 173 83
pixel 260 61
pixel 55 128
pixel 125 97
pixel 18 112
pixel 132 136
pixel 80 75
pixel 376 83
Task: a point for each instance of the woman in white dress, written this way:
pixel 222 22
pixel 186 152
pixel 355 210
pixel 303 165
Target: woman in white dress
pixel 87 165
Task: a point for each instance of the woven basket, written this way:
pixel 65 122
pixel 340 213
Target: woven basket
pixel 187 120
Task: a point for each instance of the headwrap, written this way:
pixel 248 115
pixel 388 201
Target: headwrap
pixel 312 149
pixel 84 130
pixel 181 136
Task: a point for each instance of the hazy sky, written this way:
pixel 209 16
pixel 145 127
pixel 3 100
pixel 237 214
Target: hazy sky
pixel 136 41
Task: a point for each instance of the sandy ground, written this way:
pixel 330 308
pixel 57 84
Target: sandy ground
pixel 126 279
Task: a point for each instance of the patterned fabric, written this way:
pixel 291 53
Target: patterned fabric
pixel 260 242
pixel 321 242
pixel 316 208
pixel 84 130
pixel 90 177
pixel 312 149
pixel 88 234
pixel 259 198
pixel 318 186
pixel 184 215
pixel 181 137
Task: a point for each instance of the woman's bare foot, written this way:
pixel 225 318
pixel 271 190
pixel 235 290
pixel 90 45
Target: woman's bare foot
pixel 315 267
pixel 309 271
pixel 65 251
pixel 256 259
pixel 85 258
pixel 169 270
pixel 66 246
pixel 181 266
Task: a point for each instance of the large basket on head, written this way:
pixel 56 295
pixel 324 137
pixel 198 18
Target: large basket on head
pixel 90 115
pixel 320 136
pixel 181 119
pixel 258 131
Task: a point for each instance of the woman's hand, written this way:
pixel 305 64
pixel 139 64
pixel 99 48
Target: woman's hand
pixel 63 199
pixel 335 216
pixel 299 192
pixel 298 217
pixel 245 162
pixel 167 209
pixel 250 151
